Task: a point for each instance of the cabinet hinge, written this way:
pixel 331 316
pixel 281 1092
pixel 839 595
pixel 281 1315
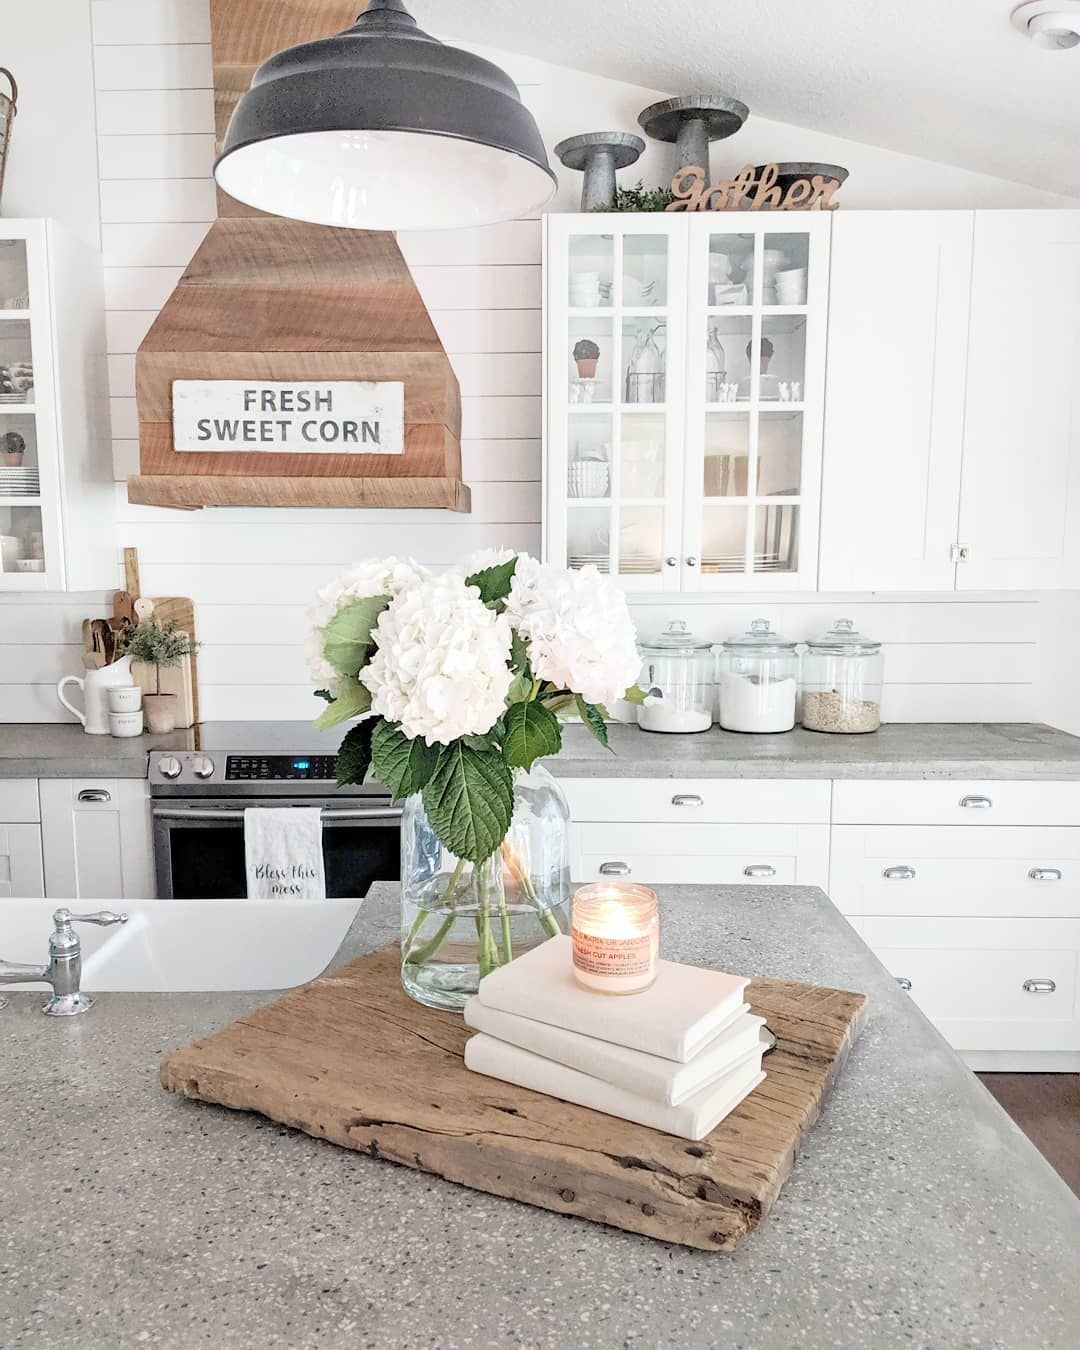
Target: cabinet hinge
pixel 959 553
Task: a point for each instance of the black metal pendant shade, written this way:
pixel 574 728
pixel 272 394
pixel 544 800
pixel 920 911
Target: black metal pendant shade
pixel 385 127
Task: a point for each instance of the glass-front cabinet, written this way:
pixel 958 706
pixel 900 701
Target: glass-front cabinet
pixel 685 360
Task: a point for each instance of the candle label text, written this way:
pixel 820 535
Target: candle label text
pixel 613 956
pixel 331 417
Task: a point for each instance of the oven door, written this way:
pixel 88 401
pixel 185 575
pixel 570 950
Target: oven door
pixel 199 845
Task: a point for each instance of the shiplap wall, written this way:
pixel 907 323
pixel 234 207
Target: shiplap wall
pixel 252 572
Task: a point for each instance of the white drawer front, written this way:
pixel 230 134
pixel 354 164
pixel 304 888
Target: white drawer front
pixel 19 801
pixel 672 869
pixel 21 872
pixel 956 803
pixel 947 870
pixel 698 800
pixel 993 984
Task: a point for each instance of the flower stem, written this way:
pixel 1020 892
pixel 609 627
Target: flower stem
pixel 416 956
pixel 517 870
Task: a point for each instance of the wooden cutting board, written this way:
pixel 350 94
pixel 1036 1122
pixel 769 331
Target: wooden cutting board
pixel 351 1059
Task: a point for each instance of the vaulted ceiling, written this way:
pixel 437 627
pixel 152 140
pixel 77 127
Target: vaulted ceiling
pixel 948 80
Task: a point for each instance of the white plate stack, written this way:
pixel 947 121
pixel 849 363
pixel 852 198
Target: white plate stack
pixel 23 482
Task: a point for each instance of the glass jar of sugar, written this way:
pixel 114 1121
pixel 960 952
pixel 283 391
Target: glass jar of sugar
pixel 679 675
pixel 757 681
pixel 841 681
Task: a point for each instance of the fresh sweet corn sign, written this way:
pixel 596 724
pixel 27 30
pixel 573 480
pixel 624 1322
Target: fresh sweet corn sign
pixel 321 417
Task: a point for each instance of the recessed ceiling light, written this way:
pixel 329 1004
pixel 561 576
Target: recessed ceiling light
pixel 1053 25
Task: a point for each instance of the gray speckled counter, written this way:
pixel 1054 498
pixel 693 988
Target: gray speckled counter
pixel 917 1214
pixel 903 750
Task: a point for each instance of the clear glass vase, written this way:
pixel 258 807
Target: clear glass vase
pixel 459 921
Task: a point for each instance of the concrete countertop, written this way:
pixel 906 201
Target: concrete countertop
pixel 901 750
pixel 917 1215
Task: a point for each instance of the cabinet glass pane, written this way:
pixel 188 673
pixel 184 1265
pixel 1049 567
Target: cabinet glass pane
pixel 783 358
pixel 776 538
pixel 728 344
pixel 588 537
pixel 641 540
pixel 645 271
pixel 589 360
pixel 642 455
pixel 14 284
pixel 723 539
pixel 786 260
pixel 731 269
pixel 727 454
pixel 16 362
pixel 780 439
pixel 592 267
pixel 18 452
pixel 21 547
pixel 644 361
pixel 589 457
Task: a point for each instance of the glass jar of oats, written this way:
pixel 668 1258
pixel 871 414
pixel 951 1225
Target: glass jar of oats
pixel 841 681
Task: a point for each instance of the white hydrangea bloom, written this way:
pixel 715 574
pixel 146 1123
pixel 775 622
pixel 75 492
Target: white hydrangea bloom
pixel 482 558
pixel 440 670
pixel 376 576
pixel 578 628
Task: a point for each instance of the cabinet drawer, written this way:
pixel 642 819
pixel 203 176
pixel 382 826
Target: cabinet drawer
pixel 987 984
pixel 1011 871
pixel 703 854
pixel 956 803
pixel 21 872
pixel 19 800
pixel 698 800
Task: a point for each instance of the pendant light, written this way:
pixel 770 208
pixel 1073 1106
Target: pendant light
pixel 383 127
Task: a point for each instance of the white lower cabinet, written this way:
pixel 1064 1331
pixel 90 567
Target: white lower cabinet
pixel 96 836
pixel 21 872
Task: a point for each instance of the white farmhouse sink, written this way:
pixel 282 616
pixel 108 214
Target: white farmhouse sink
pixel 187 946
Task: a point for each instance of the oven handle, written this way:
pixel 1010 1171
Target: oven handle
pixel 329 813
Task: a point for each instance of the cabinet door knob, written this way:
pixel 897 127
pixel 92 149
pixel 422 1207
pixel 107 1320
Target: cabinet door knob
pixel 759 870
pixel 614 869
pixel 687 799
pixel 95 795
pixel 901 873
pixel 671 561
pixel 904 983
pixel 1039 986
pixel 691 561
pixel 978 803
pixel 1045 874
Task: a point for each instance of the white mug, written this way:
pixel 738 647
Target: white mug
pixel 126 723
pixel 95 687
pixel 125 699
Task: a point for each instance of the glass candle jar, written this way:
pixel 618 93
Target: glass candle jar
pixel 841 681
pixel 679 674
pixel 758 681
pixel 616 937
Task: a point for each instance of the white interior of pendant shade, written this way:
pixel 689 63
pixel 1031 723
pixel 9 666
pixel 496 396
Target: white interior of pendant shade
pixel 384 180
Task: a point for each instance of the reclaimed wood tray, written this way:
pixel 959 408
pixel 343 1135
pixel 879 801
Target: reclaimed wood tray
pixel 351 1059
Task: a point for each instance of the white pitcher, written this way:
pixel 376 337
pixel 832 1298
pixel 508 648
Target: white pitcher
pixel 95 686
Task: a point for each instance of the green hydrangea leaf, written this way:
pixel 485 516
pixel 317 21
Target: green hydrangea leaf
pixel 593 717
pixel 325 695
pixel 348 642
pixel 354 753
pixel 494 582
pixel 469 800
pixel 352 700
pixel 532 731
pixel 402 764
pixel 519 655
pixel 635 694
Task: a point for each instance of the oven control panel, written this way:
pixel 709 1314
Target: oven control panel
pixel 280 768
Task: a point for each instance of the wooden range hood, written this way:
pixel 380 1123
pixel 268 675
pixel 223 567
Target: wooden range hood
pixel 271 299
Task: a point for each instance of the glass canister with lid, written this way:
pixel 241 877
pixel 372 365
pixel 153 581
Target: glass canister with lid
pixel 678 669
pixel 758 680
pixel 841 681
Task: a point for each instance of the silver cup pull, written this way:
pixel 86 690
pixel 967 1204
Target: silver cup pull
pixel 614 869
pixel 687 799
pixel 95 795
pixel 1045 874
pixel 901 873
pixel 759 870
pixel 976 803
pixel 904 983
pixel 1039 986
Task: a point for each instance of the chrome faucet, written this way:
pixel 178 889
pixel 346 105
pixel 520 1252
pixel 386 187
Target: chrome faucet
pixel 64 968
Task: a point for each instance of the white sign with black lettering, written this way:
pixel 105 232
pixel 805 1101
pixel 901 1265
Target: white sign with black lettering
pixel 327 417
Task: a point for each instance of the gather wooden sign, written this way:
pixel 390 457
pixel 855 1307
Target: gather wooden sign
pixel 748 191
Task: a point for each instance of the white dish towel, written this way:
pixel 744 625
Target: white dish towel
pixel 283 849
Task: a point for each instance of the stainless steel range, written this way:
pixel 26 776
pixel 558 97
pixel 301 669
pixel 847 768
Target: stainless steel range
pixel 201 788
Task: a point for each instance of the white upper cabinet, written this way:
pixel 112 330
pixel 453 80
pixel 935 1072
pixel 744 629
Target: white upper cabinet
pixel 894 419
pixel 1020 499
pixel 685 382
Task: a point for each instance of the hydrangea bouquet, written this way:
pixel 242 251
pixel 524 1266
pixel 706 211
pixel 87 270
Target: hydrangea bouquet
pixel 461 680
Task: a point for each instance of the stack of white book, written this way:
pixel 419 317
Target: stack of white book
pixel 677 1057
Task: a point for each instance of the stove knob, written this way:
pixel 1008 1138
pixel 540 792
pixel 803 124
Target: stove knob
pixel 170 767
pixel 203 766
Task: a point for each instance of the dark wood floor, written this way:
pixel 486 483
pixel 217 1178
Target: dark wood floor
pixel 1046 1106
